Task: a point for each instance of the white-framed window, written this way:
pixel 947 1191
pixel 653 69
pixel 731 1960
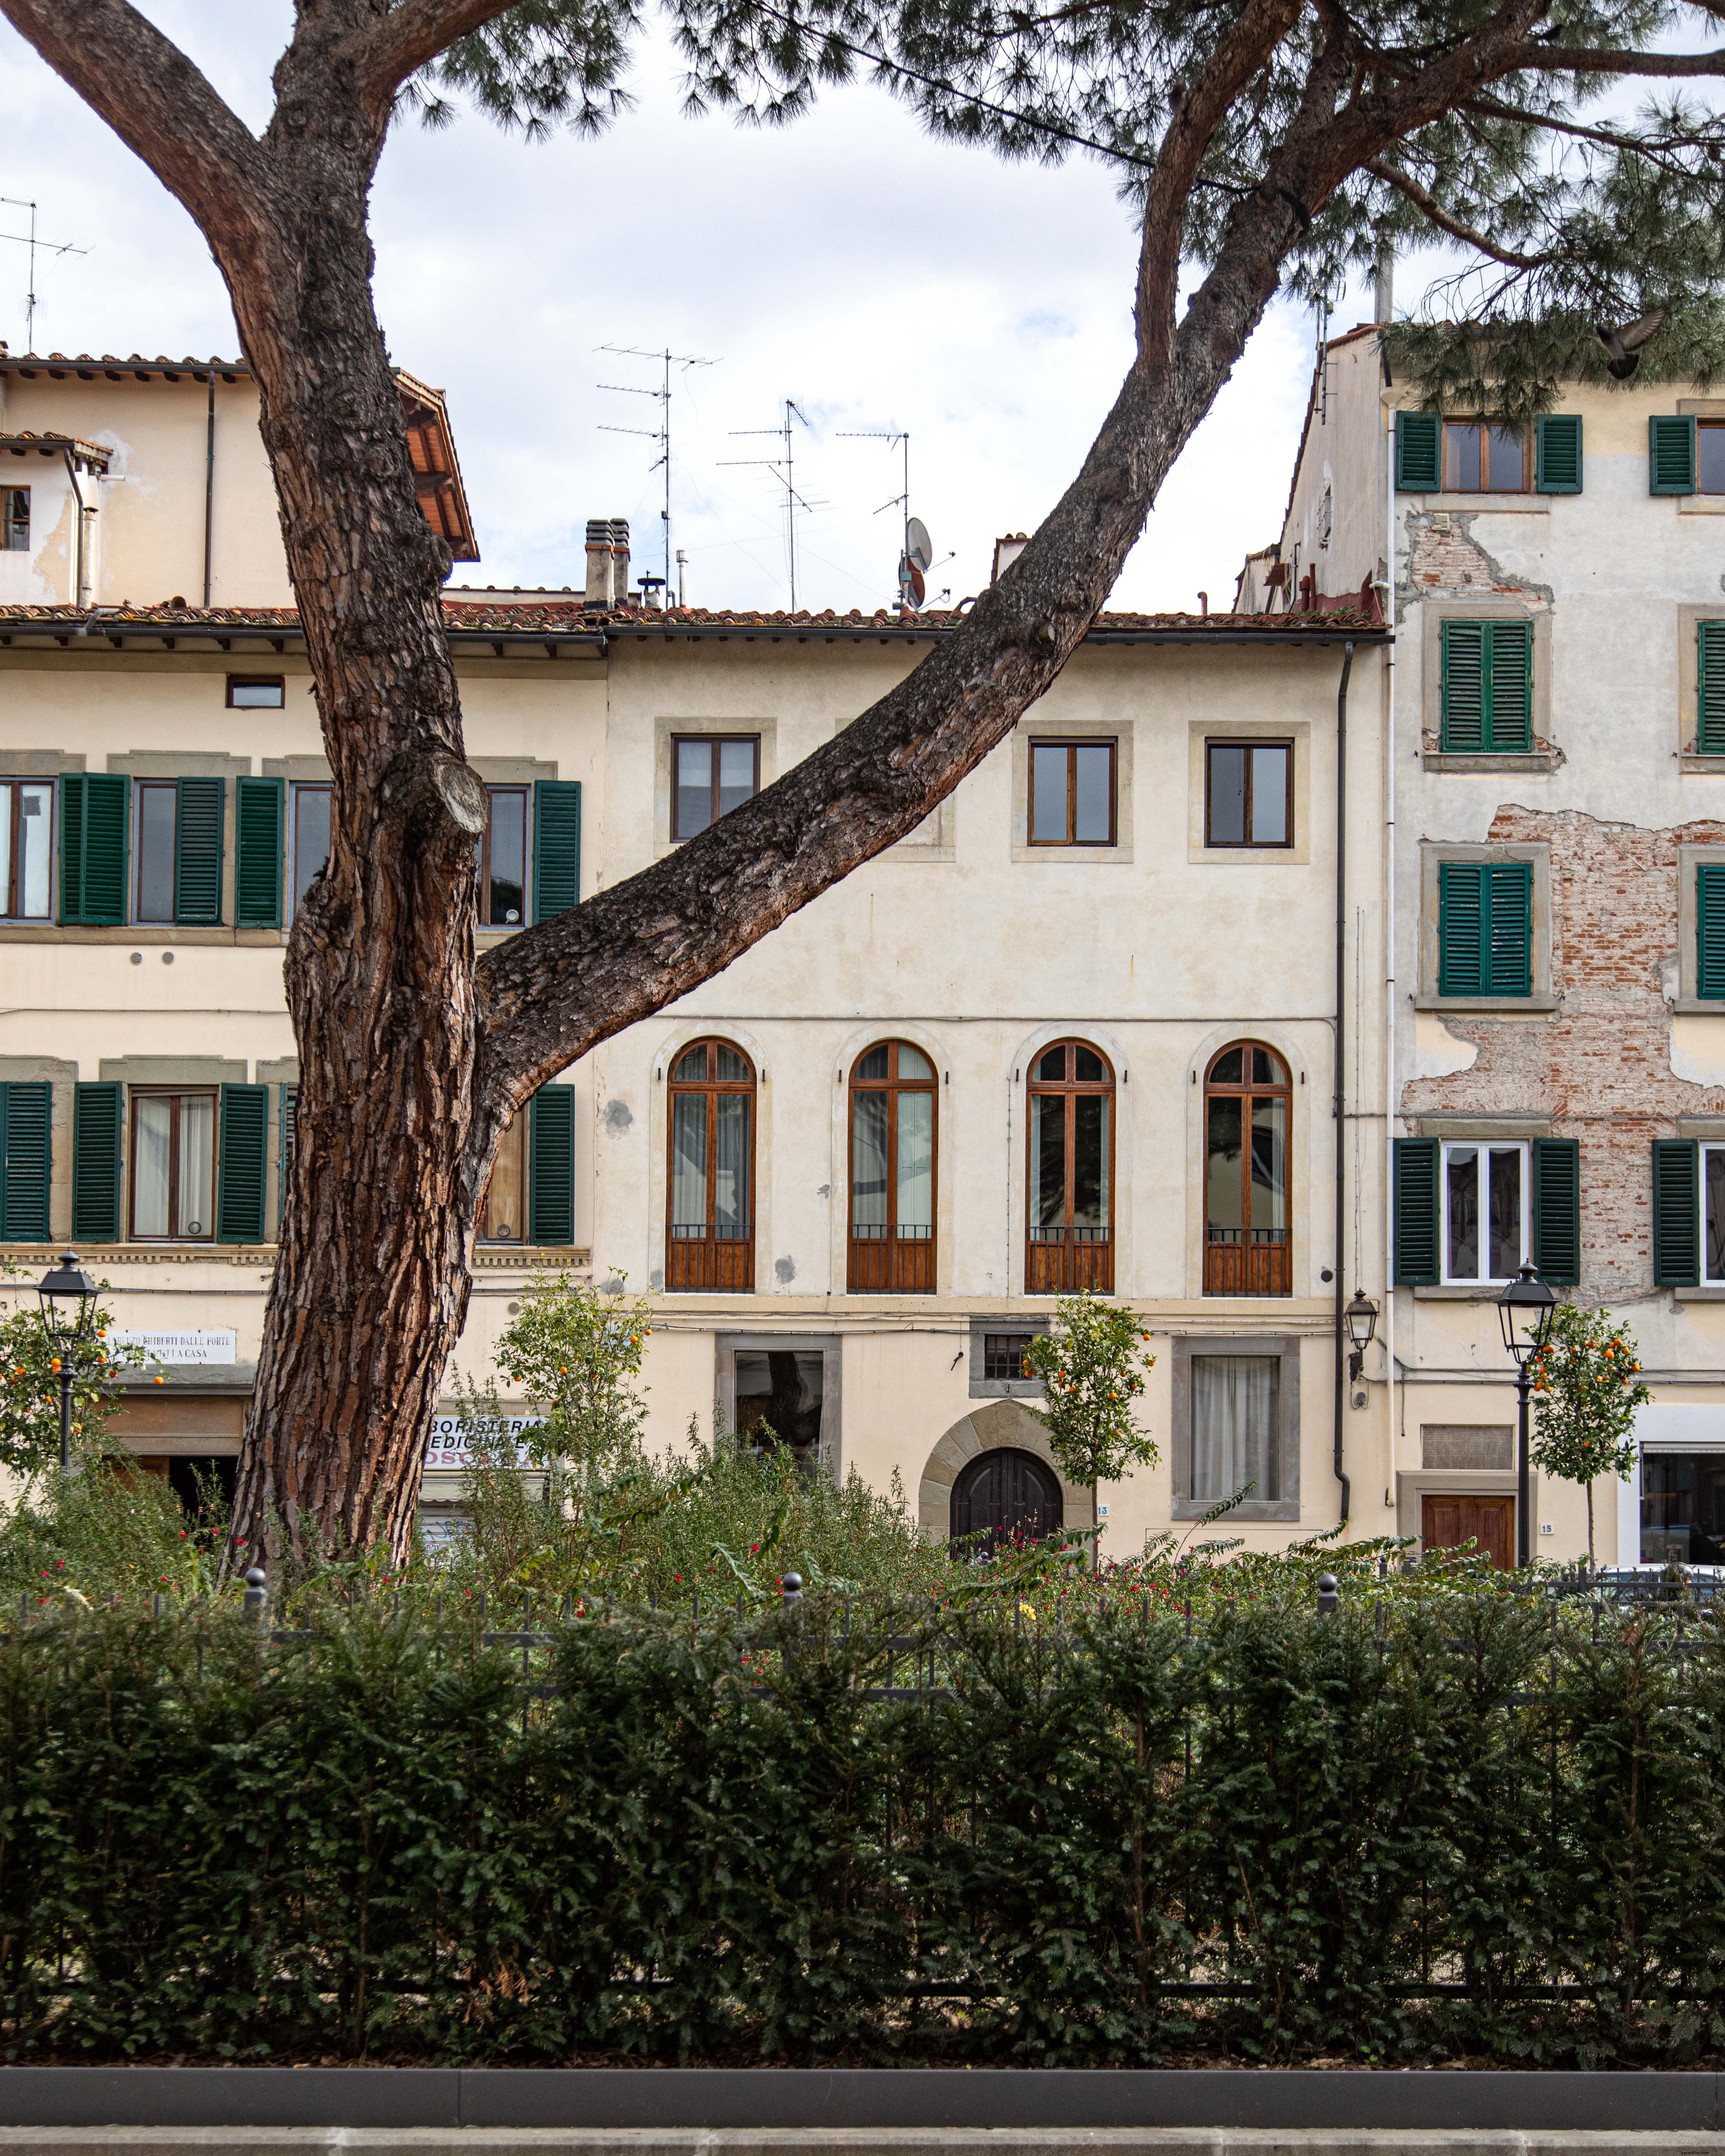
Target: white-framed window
pixel 1712 1214
pixel 26 849
pixel 1486 1211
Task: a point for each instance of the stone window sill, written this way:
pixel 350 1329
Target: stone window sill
pixel 1699 1006
pixel 1470 1291
pixel 1525 760
pixel 1194 1508
pixel 1711 767
pixel 1494 505
pixel 1701 504
pixel 1489 1006
pixel 1713 1292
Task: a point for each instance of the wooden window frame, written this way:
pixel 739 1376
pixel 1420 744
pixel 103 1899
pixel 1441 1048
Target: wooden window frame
pixel 1212 742
pixel 515 1129
pixel 508 927
pixel 1056 1262
pixel 1248 1268
pixel 8 495
pixel 1109 741
pixel 715 741
pixel 887 1264
pixel 1485 486
pixel 277 681
pixel 136 1095
pixel 705 1265
pixel 8 897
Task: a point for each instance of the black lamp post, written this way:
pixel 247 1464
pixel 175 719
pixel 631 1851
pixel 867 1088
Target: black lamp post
pixel 68 1298
pixel 1524 1310
pixel 1361 1319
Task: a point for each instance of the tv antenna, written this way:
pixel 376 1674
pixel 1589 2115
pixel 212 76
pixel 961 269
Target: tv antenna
pixel 661 433
pixel 782 469
pixel 49 246
pixel 916 553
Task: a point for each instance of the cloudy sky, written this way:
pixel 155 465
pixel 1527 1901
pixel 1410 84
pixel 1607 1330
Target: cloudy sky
pixel 883 281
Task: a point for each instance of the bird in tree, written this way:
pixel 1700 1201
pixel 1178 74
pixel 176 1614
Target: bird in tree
pixel 1261 148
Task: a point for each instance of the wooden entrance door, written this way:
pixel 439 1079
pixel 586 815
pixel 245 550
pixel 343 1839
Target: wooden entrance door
pixel 1447 1523
pixel 1006 1496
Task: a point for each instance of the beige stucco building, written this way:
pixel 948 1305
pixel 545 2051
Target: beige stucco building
pixel 1080 1029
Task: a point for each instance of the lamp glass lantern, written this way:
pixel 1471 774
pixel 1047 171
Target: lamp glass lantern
pixel 1524 1311
pixel 1361 1319
pixel 68 1296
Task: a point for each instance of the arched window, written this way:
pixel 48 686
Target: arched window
pixel 892 1137
pixel 1246 1103
pixel 1071 1238
pixel 709 1239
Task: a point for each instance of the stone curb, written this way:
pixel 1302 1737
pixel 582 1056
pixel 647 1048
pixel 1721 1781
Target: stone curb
pixel 834 2141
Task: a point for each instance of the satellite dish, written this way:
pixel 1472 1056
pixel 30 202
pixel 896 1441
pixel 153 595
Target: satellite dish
pixel 910 581
pixel 917 543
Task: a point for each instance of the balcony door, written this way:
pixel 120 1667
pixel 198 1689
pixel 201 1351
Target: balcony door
pixel 1247 1104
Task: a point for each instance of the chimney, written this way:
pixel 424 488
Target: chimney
pixel 607 561
pixel 1384 283
pixel 619 558
pixel 1007 550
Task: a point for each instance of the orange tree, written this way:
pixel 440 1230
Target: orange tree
pixel 1091 1366
pixel 30 1389
pixel 1587 1386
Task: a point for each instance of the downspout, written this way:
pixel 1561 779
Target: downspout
pixel 78 551
pixel 1340 1057
pixel 209 485
pixel 1389 944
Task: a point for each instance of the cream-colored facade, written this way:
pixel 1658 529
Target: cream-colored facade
pixel 974 943
pixel 1609 804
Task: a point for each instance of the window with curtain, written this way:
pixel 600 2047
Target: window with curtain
pixel 892 1143
pixel 1247 1101
pixel 1236 1426
pixel 710 1237
pixel 1484 1213
pixel 1069 1243
pixel 26 848
pixel 173 1167
pixel 712 775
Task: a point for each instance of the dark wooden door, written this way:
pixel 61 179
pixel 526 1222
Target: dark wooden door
pixel 1448 1522
pixel 1006 1496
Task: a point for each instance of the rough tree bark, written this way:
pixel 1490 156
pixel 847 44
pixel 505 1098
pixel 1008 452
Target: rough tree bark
pixel 412 1057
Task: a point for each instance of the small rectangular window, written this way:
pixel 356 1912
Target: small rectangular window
pixel 1004 1354
pixel 1236 1427
pixel 1484 1213
pixel 255 692
pixel 503 860
pixel 173 1167
pixel 1072 793
pixel 311 841
pixel 1710 456
pixel 1249 793
pixel 1481 459
pixel 26 848
pixel 711 774
pixel 157 829
pixel 15 519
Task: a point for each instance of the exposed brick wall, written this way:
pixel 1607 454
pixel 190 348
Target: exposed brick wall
pixel 1600 1066
pixel 1446 562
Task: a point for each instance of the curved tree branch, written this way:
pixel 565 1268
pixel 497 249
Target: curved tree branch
pixel 410 36
pixel 1434 211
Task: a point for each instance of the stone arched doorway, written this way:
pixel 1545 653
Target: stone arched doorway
pixel 1005 1499
pixel 996 1425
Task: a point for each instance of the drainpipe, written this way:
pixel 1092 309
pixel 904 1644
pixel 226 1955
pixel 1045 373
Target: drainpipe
pixel 209 484
pixel 78 553
pixel 1341 1045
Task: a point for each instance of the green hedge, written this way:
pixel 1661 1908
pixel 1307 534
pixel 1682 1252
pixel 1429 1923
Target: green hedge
pixel 1476 1824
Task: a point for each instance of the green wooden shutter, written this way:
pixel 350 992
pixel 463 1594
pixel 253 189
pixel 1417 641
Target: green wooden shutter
pixel 1464 685
pixel 1461 929
pixel 197 852
pixel 98 1118
pixel 1509 952
pixel 557 846
pixel 550 1165
pixel 1416 1211
pixel 1710 688
pixel 1509 702
pixel 26 1109
pixel 95 832
pixel 239 1189
pixel 1557 1210
pixel 1676 1213
pixel 1710 930
pixel 1418 452
pixel 1556 453
pixel 257 852
pixel 285 1129
pixel 1670 452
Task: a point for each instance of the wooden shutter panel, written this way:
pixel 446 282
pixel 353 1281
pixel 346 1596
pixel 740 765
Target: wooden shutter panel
pixel 94 843
pixel 1556 453
pixel 1461 929
pixel 197 852
pixel 1416 1211
pixel 1710 930
pixel 1418 452
pixel 1509 652
pixel 98 1112
pixel 1670 452
pixel 1710 687
pixel 1509 956
pixel 26 1109
pixel 287 1130
pixel 550 1165
pixel 257 852
pixel 1676 1213
pixel 239 1187
pixel 557 846
pixel 1463 689
pixel 1557 1210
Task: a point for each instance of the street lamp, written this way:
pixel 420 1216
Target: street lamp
pixel 68 1296
pixel 1524 1310
pixel 1361 1319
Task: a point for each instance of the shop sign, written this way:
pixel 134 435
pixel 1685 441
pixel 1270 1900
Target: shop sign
pixel 179 1347
pixel 449 1447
